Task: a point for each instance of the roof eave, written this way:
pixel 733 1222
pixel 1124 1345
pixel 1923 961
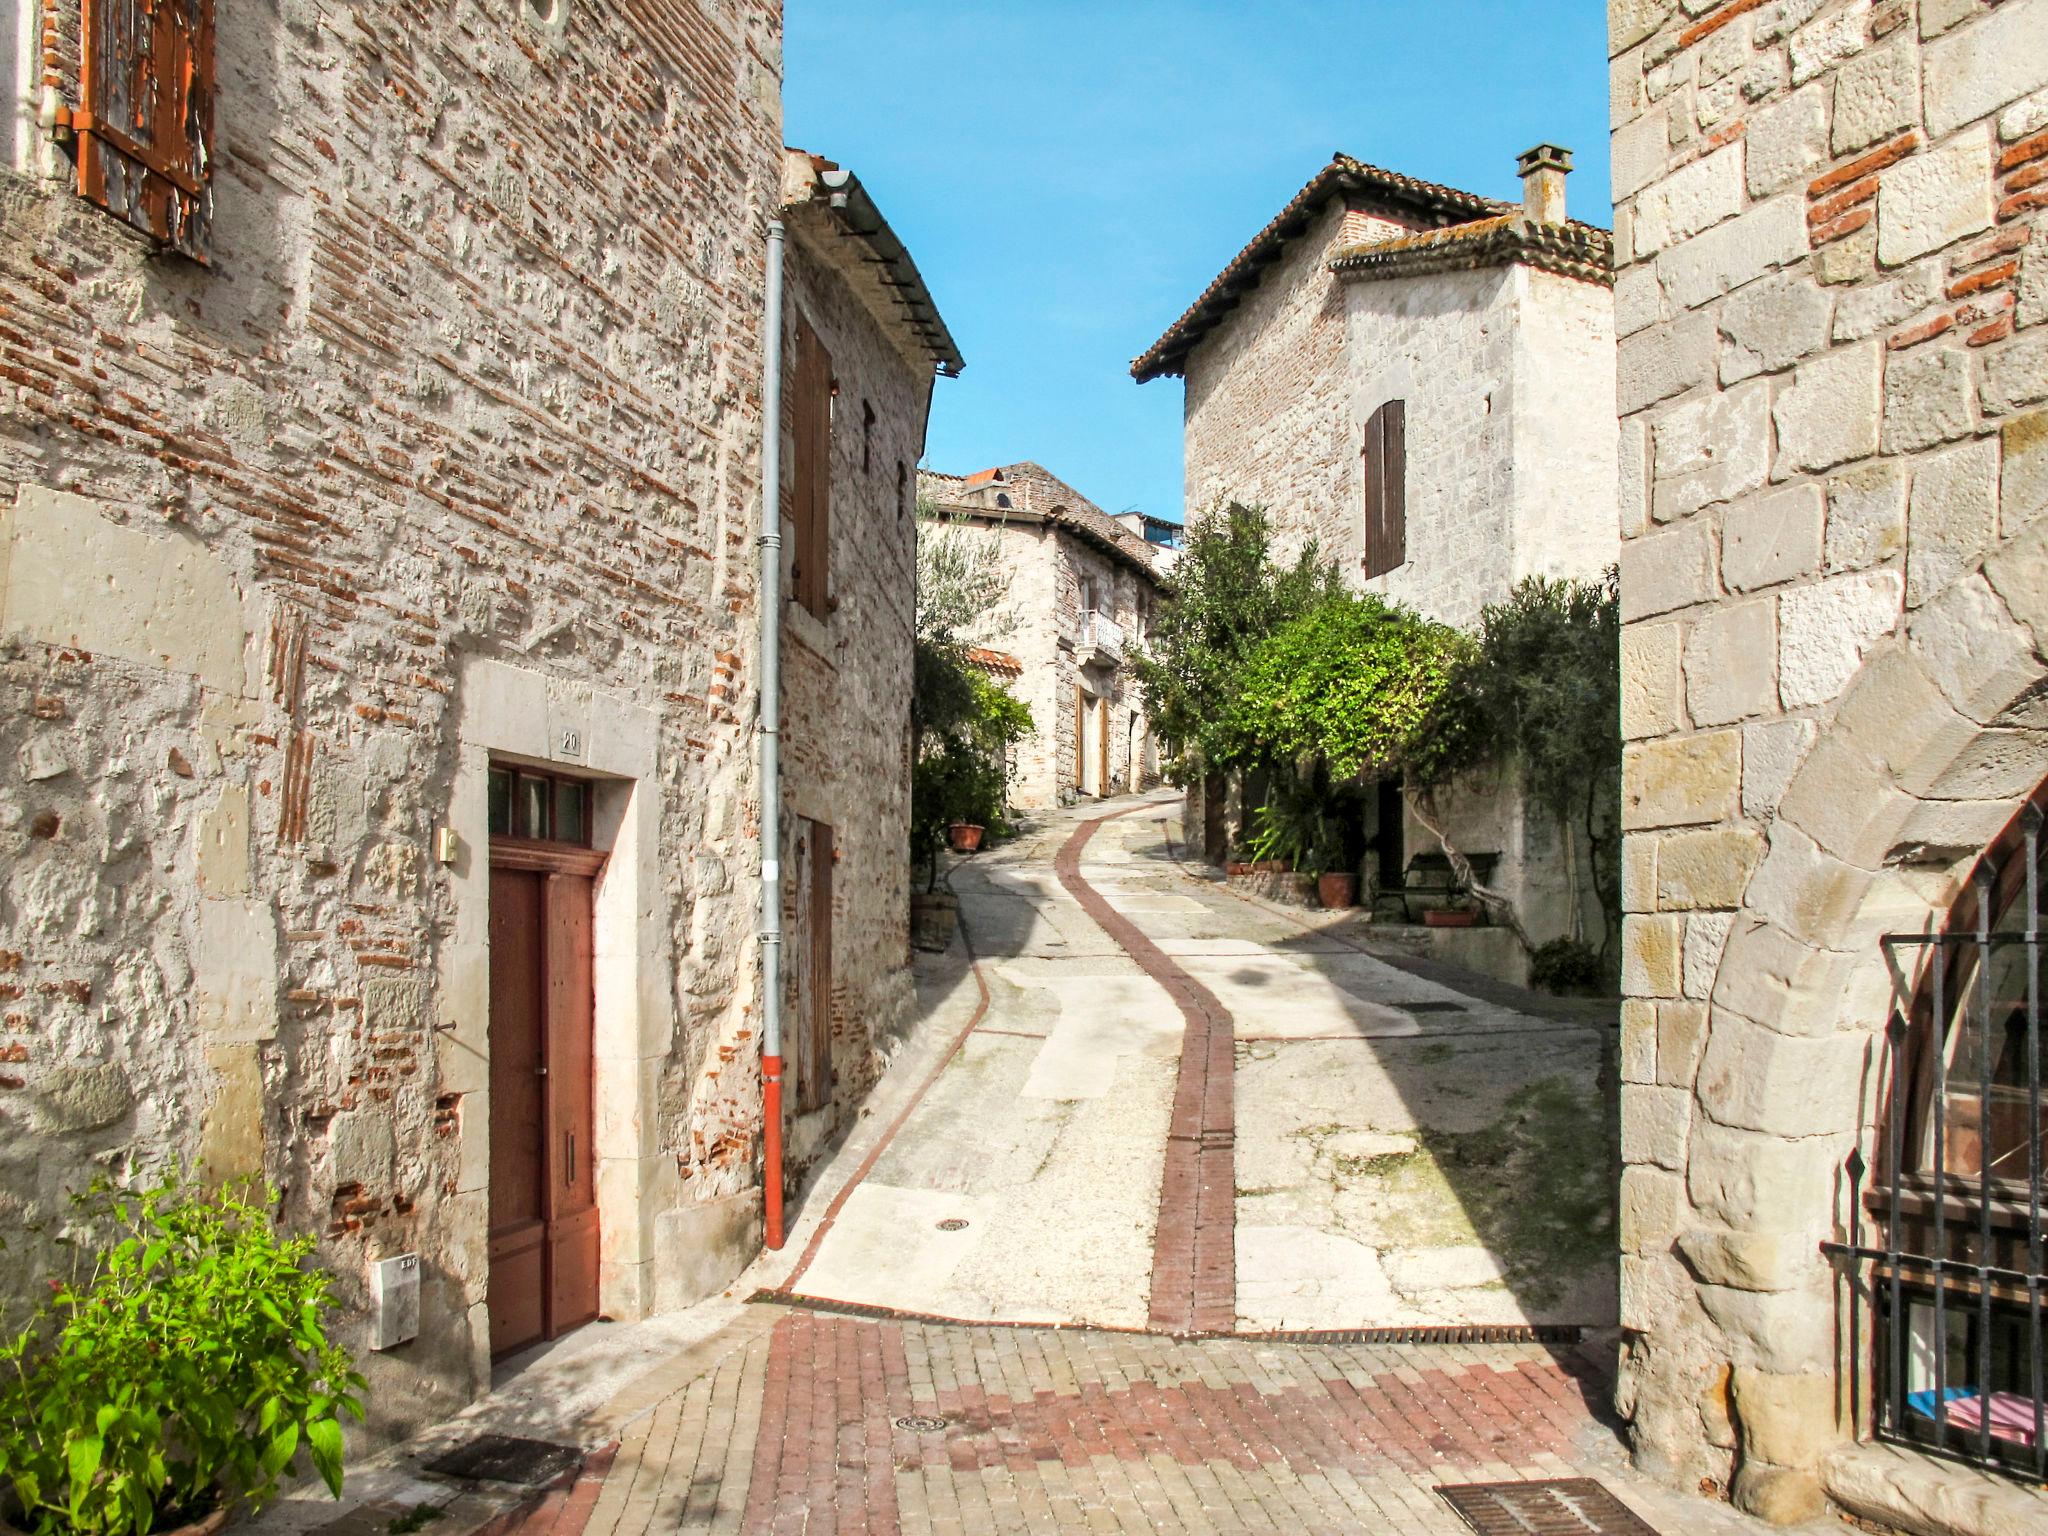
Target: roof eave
pixel 857 214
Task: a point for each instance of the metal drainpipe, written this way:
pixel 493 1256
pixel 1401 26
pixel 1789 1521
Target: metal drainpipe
pixel 770 543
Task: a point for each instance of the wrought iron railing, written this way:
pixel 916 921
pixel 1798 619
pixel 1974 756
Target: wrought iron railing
pixel 1952 1280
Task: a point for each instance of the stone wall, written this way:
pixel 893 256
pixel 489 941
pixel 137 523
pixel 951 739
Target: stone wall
pixel 452 452
pixel 1267 413
pixel 1831 288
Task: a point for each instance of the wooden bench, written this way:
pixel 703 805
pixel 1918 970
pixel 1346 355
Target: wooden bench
pixel 1429 876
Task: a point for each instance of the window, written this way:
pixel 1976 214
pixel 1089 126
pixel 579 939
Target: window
pixel 902 489
pixel 539 807
pixel 144 120
pixel 1385 474
pixel 867 435
pixel 1956 1288
pixel 813 390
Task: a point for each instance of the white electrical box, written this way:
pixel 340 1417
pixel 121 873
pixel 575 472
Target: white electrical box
pixel 394 1300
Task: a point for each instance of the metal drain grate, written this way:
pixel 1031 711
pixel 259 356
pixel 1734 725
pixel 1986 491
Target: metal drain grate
pixel 953 1224
pixel 921 1423
pixel 1564 1506
pixel 507 1459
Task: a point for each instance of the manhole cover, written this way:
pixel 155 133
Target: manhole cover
pixel 921 1423
pixel 507 1459
pixel 953 1224
pixel 1565 1506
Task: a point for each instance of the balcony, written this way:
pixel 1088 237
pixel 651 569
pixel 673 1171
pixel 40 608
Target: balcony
pixel 1102 639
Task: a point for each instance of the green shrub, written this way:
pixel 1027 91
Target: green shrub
pixel 1363 685
pixel 1566 966
pixel 187 1364
pixel 967 728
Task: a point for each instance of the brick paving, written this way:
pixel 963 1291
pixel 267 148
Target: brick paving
pixel 801 1430
pixel 1194 1245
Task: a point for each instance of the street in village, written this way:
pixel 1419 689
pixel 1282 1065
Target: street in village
pixel 1397 1276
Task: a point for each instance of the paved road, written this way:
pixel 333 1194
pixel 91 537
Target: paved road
pixel 1175 1124
pixel 1185 1109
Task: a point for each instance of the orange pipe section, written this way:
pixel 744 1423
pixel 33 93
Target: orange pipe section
pixel 771 1148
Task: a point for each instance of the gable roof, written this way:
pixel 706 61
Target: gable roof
pixel 1440 211
pixel 1428 201
pixel 1042 495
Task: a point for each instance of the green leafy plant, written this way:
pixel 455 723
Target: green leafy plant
pixel 962 769
pixel 1546 680
pixel 1566 966
pixel 183 1365
pixel 1226 595
pixel 1362 685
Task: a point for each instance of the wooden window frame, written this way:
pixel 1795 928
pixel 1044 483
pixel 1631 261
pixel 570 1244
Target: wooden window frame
pixel 523 836
pixel 1383 463
pixel 154 175
pixel 812 389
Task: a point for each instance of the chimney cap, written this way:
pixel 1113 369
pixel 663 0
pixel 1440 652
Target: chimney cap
pixel 1544 157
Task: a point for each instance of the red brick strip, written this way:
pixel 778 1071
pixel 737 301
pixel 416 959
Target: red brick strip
pixel 1194 1247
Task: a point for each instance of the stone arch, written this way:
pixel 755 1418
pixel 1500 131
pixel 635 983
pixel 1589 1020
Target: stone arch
pixel 1938 740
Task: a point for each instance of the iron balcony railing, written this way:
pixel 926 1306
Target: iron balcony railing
pixel 1951 1284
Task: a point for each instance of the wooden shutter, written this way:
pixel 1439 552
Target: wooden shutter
pixel 813 511
pixel 145 116
pixel 1384 472
pixel 814 1088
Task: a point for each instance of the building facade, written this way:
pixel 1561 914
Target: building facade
pixel 1412 377
pixel 1081 594
pixel 380 487
pixel 1831 285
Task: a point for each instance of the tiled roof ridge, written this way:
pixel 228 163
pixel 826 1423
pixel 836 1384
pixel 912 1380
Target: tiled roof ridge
pixel 1574 250
pixel 1343 173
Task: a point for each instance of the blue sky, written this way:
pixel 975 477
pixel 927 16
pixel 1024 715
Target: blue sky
pixel 1069 175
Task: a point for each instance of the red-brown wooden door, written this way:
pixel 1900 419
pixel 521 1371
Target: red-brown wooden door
pixel 543 1198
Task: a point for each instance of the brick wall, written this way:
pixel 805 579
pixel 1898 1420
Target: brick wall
pixel 462 424
pixel 1831 358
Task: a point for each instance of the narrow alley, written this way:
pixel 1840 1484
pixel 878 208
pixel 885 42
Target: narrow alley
pixel 989 1317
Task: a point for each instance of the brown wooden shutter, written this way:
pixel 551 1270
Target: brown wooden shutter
pixel 1394 484
pixel 145 117
pixel 813 511
pixel 1385 474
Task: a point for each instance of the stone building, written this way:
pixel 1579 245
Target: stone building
pixel 1414 377
pixel 1082 590
pixel 380 447
pixel 1831 289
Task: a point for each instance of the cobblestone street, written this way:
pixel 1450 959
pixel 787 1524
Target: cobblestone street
pixel 1129 1241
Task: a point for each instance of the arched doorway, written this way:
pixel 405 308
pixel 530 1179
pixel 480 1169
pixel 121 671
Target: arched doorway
pixel 1953 1276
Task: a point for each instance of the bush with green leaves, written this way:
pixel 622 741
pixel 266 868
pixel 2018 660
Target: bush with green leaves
pixel 1224 598
pixel 1365 686
pixel 184 1365
pixel 968 727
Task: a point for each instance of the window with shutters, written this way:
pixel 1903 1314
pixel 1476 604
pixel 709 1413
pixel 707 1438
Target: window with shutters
pixel 812 407
pixel 144 119
pixel 1384 465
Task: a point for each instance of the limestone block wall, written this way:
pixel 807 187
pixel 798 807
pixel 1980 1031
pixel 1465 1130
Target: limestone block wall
pixel 452 451
pixel 1831 288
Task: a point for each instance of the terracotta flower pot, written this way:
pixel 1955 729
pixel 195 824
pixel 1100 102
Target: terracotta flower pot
pixel 965 835
pixel 1337 889
pixel 1237 867
pixel 1443 917
pixel 1270 867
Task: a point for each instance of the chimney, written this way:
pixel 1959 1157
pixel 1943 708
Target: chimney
pixel 1543 170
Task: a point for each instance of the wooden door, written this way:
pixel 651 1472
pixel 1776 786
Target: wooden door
pixel 543 1193
pixel 807 996
pixel 1080 738
pixel 1102 786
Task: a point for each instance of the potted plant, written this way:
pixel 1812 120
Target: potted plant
pixel 965 836
pixel 1457 912
pixel 176 1376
